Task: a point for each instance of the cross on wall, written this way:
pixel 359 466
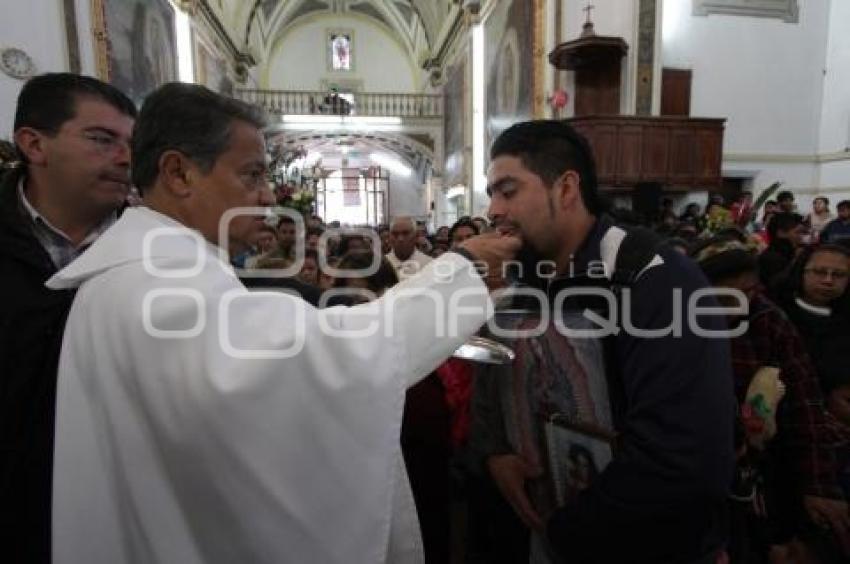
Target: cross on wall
pixel 589 8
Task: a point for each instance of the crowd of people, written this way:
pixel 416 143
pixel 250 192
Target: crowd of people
pixel 179 384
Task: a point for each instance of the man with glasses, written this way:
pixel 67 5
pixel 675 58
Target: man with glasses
pixel 72 135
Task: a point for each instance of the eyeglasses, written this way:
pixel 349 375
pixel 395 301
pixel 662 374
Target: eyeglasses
pixel 105 143
pixel 824 273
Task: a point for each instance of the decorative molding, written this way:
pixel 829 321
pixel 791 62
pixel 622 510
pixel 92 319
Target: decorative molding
pixel 786 159
pixel 72 36
pixel 344 85
pixel 101 40
pixel 785 10
pixel 243 59
pixel 821 191
pixel 645 56
pixel 441 52
pixel 539 59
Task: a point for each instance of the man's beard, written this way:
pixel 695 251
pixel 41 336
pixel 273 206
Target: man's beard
pixel 530 266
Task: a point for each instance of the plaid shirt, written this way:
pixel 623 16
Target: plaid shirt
pixel 58 245
pixel 803 429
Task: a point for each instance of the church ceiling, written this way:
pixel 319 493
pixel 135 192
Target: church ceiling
pixel 416 150
pixel 416 23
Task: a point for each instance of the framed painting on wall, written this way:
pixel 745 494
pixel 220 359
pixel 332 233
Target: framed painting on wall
pixel 135 44
pixel 456 93
pixel 211 69
pixel 514 45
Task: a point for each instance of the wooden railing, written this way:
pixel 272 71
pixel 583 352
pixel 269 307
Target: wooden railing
pixel 363 104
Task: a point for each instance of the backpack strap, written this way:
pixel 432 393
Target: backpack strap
pixel 636 253
pixel 633 250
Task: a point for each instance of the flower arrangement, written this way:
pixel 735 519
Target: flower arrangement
pixel 718 219
pixel 290 196
pixel 292 190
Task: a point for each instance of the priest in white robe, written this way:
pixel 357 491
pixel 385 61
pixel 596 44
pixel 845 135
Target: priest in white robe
pixel 198 422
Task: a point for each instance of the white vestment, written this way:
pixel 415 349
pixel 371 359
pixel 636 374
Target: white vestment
pixel 410 266
pixel 199 422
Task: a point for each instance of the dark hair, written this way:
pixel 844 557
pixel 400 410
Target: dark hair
pixel 733 233
pixel 783 221
pixel 784 195
pixel 549 148
pixel 346 240
pixel 463 222
pixel 843 204
pixel 285 219
pixel 47 101
pixel 823 199
pixel 384 278
pixel 187 118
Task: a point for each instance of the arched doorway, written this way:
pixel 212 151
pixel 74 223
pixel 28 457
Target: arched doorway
pixel 354 196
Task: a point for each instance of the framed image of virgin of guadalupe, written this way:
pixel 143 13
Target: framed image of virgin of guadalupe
pixel 135 44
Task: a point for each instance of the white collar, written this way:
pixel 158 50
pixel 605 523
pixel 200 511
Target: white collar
pixel 813 309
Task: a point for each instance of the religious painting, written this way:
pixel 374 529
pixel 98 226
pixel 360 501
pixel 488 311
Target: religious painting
pixel 211 68
pixel 136 46
pixel 340 50
pixel 513 39
pixel 555 402
pixel 577 453
pixel 455 113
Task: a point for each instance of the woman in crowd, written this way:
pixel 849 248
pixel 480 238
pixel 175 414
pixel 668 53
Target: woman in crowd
pixel 814 295
pixel 787 452
pixel 819 217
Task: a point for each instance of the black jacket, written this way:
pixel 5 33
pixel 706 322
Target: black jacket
pixel 32 320
pixel 827 339
pixel 663 497
pixel 774 261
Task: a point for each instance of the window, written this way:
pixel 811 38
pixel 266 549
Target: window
pixel 339 49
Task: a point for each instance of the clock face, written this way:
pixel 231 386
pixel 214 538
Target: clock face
pixel 16 63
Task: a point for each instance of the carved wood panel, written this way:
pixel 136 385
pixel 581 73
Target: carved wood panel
pixel 678 153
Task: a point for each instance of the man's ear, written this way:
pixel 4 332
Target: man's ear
pixel 177 173
pixel 31 143
pixel 568 189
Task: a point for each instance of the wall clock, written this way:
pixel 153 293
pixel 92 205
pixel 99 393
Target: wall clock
pixel 16 63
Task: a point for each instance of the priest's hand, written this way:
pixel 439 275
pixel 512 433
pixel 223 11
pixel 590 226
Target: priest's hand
pixel 510 472
pixel 490 251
